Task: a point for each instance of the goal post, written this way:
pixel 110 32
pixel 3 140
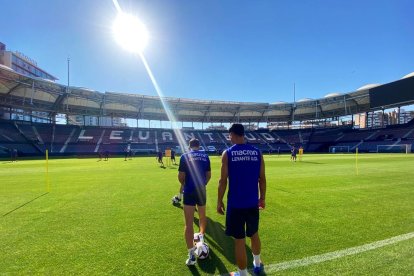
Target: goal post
pixel 400 148
pixel 339 149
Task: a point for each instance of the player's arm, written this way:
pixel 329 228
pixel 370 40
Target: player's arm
pixel 208 172
pixel 222 183
pixel 181 179
pixel 208 176
pixel 181 174
pixel 262 184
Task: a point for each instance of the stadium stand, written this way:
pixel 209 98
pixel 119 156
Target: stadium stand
pixel 51 98
pixel 35 138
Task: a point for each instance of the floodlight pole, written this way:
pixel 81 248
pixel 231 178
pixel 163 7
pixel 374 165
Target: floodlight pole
pixel 294 103
pixel 67 95
pixel 68 70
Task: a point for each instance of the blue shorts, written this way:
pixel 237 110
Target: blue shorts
pixel 197 197
pixel 242 222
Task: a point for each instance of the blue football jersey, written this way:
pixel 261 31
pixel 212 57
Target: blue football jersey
pixel 244 163
pixel 194 164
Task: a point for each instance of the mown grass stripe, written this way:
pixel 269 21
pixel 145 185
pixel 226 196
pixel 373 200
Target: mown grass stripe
pixel 336 254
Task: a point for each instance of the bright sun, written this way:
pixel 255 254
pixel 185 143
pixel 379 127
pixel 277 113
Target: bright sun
pixel 130 33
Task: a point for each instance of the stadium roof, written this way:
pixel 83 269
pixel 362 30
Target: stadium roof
pixel 36 94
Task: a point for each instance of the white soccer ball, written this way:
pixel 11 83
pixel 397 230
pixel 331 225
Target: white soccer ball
pixel 202 250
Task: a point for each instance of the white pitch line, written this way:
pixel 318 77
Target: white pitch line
pixel 336 254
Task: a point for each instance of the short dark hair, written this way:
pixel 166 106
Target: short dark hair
pixel 237 129
pixel 194 143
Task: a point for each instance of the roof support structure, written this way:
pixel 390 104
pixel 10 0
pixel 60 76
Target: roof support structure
pixel 14 88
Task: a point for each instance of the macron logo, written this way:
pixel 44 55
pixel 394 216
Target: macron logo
pixel 244 155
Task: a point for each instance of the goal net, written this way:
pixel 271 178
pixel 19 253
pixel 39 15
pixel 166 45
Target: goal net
pixel 339 149
pixel 402 148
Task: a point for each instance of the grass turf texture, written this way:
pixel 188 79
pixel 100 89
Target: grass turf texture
pixel 116 217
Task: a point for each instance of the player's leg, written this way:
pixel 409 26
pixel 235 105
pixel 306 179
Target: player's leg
pixel 201 209
pixel 189 207
pixel 252 231
pixel 189 229
pixel 235 227
pixel 240 253
pixel 256 244
pixel 203 219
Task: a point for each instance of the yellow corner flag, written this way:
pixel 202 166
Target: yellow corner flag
pixel 47 182
pixel 356 161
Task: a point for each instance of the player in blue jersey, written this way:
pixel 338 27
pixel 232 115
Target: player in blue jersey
pixel 194 174
pixel 243 167
pixel 159 158
pixel 173 157
pixel 293 154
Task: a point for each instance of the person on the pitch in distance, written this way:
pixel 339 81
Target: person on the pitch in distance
pixel 244 167
pixel 194 174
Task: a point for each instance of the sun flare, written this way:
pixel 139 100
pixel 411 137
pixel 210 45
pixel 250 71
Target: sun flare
pixel 130 33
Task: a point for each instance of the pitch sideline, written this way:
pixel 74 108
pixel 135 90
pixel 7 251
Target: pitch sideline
pixel 336 254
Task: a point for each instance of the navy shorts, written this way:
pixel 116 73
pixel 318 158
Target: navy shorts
pixel 242 222
pixel 197 197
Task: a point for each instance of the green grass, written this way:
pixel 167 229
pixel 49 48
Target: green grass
pixel 116 217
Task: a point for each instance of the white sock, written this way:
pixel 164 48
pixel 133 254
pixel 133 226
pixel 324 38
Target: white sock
pixel 256 260
pixel 201 237
pixel 191 251
pixel 243 272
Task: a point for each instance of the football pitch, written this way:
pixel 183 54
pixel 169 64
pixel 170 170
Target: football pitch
pixel 116 217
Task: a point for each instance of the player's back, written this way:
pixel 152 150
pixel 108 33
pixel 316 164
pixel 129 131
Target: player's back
pixel 244 163
pixel 194 164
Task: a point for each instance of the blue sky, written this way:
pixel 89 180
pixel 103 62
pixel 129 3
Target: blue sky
pixel 236 50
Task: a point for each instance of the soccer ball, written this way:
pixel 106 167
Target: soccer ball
pixel 202 250
pixel 175 200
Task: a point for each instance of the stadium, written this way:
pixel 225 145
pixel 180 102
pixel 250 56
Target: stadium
pixel 30 95
pixel 346 207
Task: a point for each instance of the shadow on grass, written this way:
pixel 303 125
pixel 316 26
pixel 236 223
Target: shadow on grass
pixel 24 204
pixel 218 241
pixel 285 191
pixel 194 270
pixel 310 162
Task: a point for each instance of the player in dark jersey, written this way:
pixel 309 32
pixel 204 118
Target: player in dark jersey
pixel 13 155
pixel 293 154
pixel 243 166
pixel 126 153
pixel 159 153
pixel 173 157
pixel 194 174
